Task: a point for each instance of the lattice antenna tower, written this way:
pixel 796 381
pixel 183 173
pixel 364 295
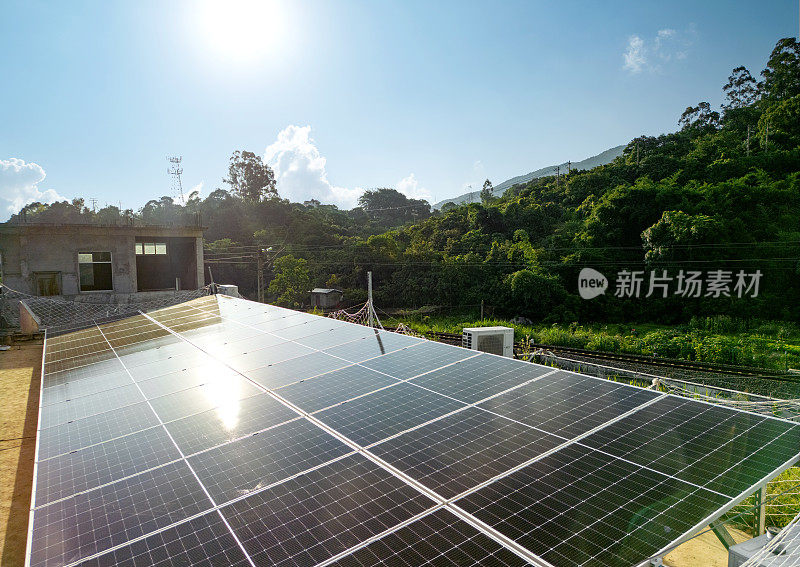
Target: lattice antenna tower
pixel 175 170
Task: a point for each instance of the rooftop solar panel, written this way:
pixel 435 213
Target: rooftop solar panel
pixel 202 542
pixel 439 538
pixel 261 459
pixel 479 377
pixel 419 358
pixel 96 465
pixel 568 404
pixel 579 507
pixel 228 422
pixel 320 514
pixel 707 445
pixel 223 431
pixel 335 387
pixel 374 344
pixel 95 521
pixel 387 412
pixel 464 449
pixel 220 391
pixel 295 369
pixel 98 428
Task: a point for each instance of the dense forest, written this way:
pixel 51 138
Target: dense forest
pixel 719 199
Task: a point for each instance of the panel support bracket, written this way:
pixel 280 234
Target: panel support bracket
pixel 722 534
pixel 761 512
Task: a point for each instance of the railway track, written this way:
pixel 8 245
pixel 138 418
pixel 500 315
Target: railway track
pixel 629 360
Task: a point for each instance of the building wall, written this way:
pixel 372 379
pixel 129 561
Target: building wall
pixel 29 249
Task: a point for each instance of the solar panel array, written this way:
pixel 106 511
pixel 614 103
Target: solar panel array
pixel 227 432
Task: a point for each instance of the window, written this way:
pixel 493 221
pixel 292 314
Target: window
pixel 95 271
pixel 151 248
pixel 47 283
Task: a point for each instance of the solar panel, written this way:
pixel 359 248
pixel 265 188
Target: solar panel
pixel 113 514
pixel 202 542
pixel 96 465
pixel 568 404
pixel 259 460
pixel 335 387
pixel 460 451
pixel 223 431
pixel 387 412
pixel 439 538
pixel 578 506
pixel 707 445
pixel 313 517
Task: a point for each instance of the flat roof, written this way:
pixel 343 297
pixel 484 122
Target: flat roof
pixel 122 230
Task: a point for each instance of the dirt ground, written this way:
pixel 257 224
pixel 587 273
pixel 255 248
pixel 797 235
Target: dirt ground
pixel 703 551
pixel 20 373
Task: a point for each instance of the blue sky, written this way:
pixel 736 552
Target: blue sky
pixel 338 96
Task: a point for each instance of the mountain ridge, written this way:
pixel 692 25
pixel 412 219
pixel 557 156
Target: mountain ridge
pixel 604 157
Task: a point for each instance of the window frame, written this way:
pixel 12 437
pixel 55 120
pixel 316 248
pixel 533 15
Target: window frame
pixel 110 263
pixel 150 248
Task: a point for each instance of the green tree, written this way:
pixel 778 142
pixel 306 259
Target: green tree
pixel 675 233
pixel 390 207
pixel 699 117
pixel 533 294
pixel 487 193
pixel 782 122
pixel 249 177
pixel 291 283
pixel 741 89
pixel 782 75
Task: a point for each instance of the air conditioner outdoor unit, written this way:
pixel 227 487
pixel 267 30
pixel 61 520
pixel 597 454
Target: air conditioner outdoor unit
pixel 495 340
pixel 789 548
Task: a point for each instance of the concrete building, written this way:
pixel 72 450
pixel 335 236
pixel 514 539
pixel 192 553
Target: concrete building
pixel 326 298
pixel 105 264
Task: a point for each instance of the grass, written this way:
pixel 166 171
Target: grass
pixel 773 345
pixel 783 503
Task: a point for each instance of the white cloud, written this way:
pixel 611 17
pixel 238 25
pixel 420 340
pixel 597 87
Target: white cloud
pixel 409 186
pixel 651 54
pixel 665 34
pixel 301 174
pixel 634 56
pixel 19 184
pixel 198 188
pixel 300 170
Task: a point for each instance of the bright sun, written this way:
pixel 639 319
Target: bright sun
pixel 242 30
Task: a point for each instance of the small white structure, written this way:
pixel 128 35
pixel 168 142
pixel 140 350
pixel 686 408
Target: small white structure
pixel 494 340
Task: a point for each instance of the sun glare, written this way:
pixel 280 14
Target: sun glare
pixel 242 30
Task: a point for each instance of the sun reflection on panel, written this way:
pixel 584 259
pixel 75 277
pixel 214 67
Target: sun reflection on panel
pixel 224 390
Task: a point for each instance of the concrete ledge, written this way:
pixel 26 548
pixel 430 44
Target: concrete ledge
pixel 28 321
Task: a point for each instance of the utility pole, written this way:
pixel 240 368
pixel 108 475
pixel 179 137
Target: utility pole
pixel 569 167
pixel 558 172
pixel 94 204
pixel 369 298
pixel 260 264
pixel 748 140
